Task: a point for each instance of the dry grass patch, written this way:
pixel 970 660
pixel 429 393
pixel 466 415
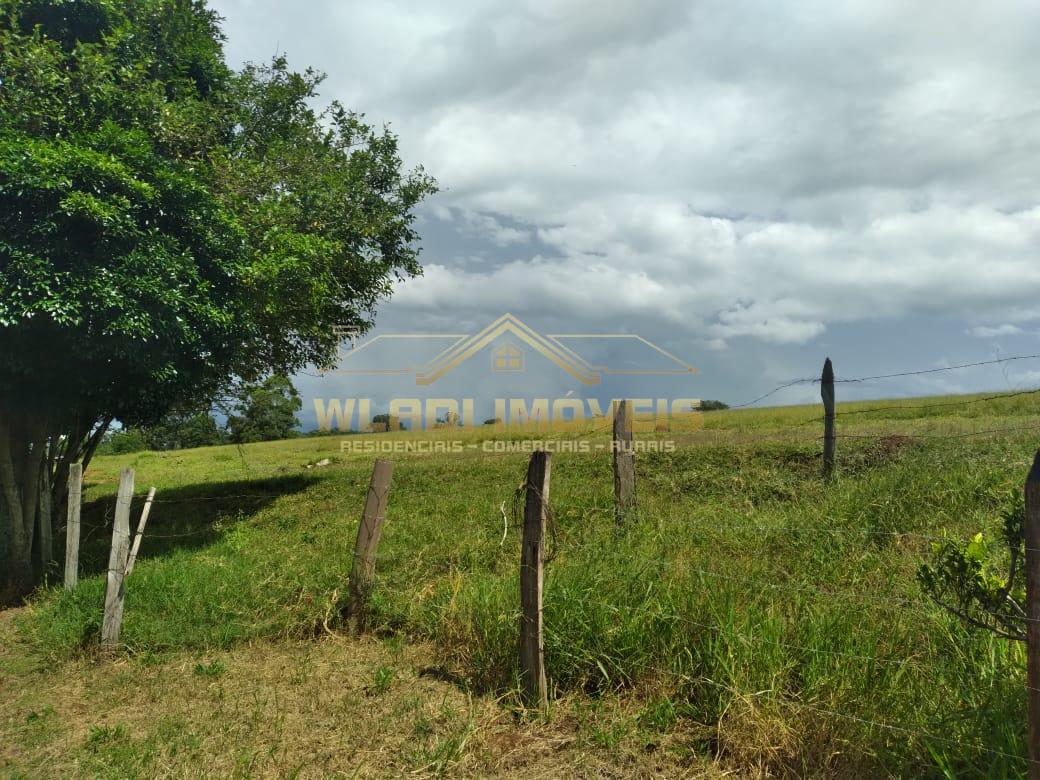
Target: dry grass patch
pixel 339 707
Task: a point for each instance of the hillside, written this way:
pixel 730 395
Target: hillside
pixel 751 619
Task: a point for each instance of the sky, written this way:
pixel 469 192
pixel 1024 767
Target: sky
pixel 752 186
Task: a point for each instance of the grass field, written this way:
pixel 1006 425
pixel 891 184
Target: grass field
pixel 750 619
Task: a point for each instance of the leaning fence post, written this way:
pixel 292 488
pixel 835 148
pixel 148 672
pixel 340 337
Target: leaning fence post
pixel 827 392
pixel 72 526
pixel 1032 545
pixel 624 461
pixel 140 531
pixel 532 647
pixel 363 570
pixel 113 618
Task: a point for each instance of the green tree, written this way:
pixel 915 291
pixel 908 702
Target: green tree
pixel 168 228
pixel 712 406
pixel 268 412
pixel 184 430
pixel 123 441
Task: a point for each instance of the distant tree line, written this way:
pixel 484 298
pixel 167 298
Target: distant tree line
pixel 712 406
pixel 264 411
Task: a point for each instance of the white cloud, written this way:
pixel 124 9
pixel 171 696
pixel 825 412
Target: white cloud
pixel 1025 379
pixel 742 168
pixel 777 282
pixel 987 332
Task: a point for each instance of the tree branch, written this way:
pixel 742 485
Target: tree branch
pixel 1001 630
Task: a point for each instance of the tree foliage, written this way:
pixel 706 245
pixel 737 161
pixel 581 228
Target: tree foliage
pixel 168 227
pixel 183 430
pixel 124 441
pixel 267 411
pixel 712 406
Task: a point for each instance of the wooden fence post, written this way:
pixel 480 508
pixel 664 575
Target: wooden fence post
pixel 113 619
pixel 624 461
pixel 532 646
pixel 46 525
pixel 363 570
pixel 72 526
pixel 140 531
pixel 827 392
pixel 1032 545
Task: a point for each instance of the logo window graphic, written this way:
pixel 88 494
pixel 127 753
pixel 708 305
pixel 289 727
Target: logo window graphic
pixel 507 358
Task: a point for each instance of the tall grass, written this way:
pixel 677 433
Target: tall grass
pixel 774 616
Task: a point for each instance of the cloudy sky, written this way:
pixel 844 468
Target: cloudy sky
pixel 751 185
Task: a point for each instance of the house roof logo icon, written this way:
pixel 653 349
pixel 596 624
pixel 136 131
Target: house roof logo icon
pixel 520 335
pixel 507 359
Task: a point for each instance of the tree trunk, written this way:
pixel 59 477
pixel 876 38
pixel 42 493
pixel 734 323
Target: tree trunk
pixel 17 579
pixel 31 453
pixel 20 462
pixel 16 575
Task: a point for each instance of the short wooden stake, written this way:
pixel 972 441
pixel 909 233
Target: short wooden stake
pixel 624 461
pixel 140 531
pixel 363 570
pixel 1032 545
pixel 827 393
pixel 532 550
pixel 72 526
pixel 113 618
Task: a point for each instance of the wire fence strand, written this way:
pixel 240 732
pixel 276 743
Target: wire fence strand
pixel 861 379
pixel 914 732
pixel 783 581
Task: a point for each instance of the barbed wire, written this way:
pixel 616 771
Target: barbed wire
pixel 738 528
pixel 914 732
pixel 957 367
pixel 888 602
pixel 188 500
pixel 885 601
pixel 199 532
pixel 839 413
pixel 795 529
pixel 944 404
pixel 919 372
pixel 192 499
pixel 774 391
pixel 722 433
pixel 866 532
pixel 780 435
pixel 927 435
pixel 773 436
pixel 149 533
pixel 884 660
pixel 901 662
